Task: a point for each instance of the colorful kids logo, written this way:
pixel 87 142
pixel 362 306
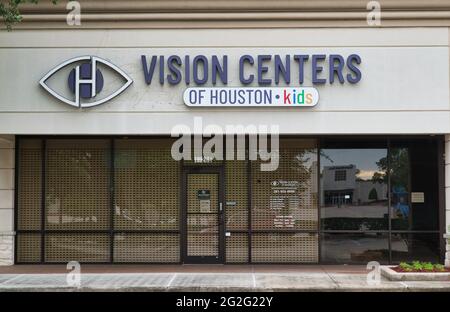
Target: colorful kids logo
pixel 245 97
pixel 299 96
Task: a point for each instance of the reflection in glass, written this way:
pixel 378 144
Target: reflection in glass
pixel 354 193
pixel 415 246
pixel 400 206
pixel 414 175
pixel 285 247
pixel 355 248
pixel 286 198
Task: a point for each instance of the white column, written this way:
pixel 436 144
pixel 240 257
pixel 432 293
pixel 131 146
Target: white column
pixel 447 200
pixel 7 199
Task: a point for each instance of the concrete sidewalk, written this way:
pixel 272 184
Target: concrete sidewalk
pixel 229 281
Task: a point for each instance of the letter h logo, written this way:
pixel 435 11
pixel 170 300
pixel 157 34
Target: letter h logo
pixel 85 81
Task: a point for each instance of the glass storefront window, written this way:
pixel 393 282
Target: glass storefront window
pixel 80 247
pixel 414 185
pixel 355 247
pixel 146 185
pixel 147 248
pixel 270 216
pixel 236 202
pixel 285 247
pixel 28 247
pixel 287 197
pixel 400 188
pixel 30 179
pixel 77 184
pixel 237 248
pixel 354 188
pixel 415 247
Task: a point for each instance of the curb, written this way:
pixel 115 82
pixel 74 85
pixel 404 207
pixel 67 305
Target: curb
pixel 392 275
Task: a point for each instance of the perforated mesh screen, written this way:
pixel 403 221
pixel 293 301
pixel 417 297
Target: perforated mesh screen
pixel 146 198
pixel 160 248
pixel 287 197
pixel 237 248
pixel 202 215
pixel 77 184
pixel 236 205
pixel 202 158
pixel 29 197
pixel 236 211
pixel 284 247
pixel 28 247
pixel 77 247
pixel 203 244
pixel 146 185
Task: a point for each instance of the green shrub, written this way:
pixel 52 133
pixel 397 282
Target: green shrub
pixel 439 267
pixel 405 267
pixel 428 266
pixel 417 265
pixel 421 266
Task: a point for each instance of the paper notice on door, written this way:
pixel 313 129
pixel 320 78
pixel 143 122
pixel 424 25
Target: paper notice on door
pixel 205 205
pixel 417 197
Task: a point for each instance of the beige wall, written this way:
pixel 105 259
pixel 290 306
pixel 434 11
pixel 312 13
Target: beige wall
pixel 404 89
pixel 230 15
pixel 236 13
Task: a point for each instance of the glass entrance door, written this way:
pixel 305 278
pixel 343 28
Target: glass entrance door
pixel 203 216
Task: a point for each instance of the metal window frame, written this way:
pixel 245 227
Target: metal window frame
pixel 220 171
pixel 111 231
pixel 43 199
pixel 249 199
pixel 319 138
pixel 112 185
pixel 16 195
pixel 285 231
pixel 441 193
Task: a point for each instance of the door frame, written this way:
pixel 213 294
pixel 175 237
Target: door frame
pixel 185 259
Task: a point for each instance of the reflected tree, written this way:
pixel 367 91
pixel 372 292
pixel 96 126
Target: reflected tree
pixel 397 167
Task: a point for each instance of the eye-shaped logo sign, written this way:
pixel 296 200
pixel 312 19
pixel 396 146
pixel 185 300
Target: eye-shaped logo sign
pixel 85 81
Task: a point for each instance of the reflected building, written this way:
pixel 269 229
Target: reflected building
pixel 341 186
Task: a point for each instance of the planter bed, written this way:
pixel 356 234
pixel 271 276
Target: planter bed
pixel 391 274
pixel 400 270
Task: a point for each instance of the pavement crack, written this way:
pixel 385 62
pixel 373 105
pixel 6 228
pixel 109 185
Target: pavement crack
pixel 11 279
pixel 332 279
pixel 171 280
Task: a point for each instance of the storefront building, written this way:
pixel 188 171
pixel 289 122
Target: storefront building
pixel 88 117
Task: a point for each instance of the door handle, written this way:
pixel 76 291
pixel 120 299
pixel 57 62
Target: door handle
pixel 220 213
